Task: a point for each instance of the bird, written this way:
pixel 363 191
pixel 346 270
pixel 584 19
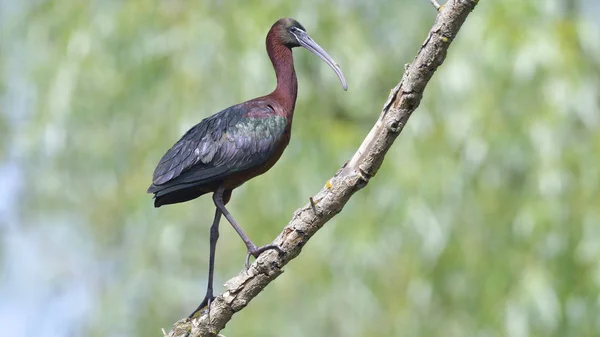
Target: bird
pixel 234 145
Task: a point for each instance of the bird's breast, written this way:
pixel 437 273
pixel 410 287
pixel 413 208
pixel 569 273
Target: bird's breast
pixel 238 178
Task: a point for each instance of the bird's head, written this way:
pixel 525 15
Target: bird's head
pixel 291 33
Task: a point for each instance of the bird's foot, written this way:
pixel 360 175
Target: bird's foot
pixel 208 299
pixel 256 251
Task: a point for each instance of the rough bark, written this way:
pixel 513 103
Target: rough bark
pixel 353 176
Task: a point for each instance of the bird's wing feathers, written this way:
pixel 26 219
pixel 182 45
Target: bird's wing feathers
pixel 232 140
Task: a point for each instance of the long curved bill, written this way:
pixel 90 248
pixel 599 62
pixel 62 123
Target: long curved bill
pixel 308 43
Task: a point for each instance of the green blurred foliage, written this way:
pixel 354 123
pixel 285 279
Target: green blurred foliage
pixel 483 220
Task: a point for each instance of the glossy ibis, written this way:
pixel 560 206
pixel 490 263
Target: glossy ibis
pixel 230 147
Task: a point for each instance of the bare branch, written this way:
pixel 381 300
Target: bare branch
pixel 353 176
pixel 435 4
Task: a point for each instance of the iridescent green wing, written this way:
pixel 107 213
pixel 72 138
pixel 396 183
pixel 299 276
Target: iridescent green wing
pixel 235 139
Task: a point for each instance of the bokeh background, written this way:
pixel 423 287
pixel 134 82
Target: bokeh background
pixel 483 221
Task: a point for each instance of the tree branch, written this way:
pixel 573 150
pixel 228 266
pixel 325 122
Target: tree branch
pixel 353 176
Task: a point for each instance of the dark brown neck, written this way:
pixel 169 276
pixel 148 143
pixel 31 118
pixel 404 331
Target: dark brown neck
pixel 287 84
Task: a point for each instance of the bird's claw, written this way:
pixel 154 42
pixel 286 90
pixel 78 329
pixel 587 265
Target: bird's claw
pixel 256 251
pixel 208 299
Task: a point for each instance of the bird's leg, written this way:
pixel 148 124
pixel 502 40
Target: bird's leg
pixel 214 236
pixel 252 248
